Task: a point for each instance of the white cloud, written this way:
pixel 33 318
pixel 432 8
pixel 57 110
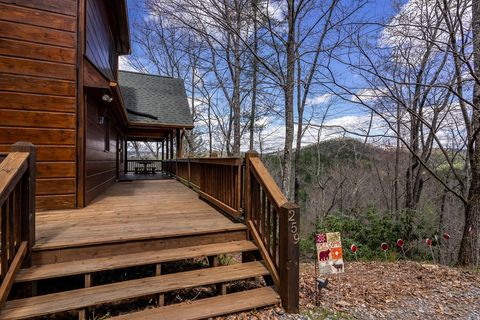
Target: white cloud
pixel 319 99
pixel 124 64
pixel 368 95
pixel 419 23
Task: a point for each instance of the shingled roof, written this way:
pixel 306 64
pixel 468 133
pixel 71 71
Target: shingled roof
pixel 157 96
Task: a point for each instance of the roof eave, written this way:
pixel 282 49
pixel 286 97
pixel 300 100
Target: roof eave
pixel 122 31
pixel 139 124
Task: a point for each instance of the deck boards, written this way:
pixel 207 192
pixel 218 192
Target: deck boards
pixel 209 307
pixel 129 260
pixel 81 298
pixel 134 210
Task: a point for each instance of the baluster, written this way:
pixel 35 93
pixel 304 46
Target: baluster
pixel 11 226
pixel 17 221
pixel 3 249
pixel 275 237
pixel 264 208
pixel 269 226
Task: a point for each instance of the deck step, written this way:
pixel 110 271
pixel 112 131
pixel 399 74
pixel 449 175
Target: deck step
pixel 130 260
pixel 209 307
pixel 81 298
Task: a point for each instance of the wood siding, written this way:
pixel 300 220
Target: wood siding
pixel 100 165
pixel 38 91
pixel 100 47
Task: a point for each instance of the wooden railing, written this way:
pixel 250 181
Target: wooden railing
pixel 273 223
pixel 17 202
pixel 132 164
pixel 271 219
pixel 217 180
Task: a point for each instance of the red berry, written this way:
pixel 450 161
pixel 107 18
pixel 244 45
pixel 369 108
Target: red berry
pixel 353 248
pixel 429 242
pixel 384 246
pixel 446 236
pixel 400 243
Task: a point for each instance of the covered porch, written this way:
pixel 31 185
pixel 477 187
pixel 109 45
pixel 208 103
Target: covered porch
pixel 159 116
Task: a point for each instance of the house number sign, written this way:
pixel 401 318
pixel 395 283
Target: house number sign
pixel 293 226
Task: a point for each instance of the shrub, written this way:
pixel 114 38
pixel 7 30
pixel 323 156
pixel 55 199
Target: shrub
pixel 367 231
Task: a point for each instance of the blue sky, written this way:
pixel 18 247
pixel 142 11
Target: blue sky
pixel 341 112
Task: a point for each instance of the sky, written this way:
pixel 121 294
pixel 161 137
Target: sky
pixel 340 112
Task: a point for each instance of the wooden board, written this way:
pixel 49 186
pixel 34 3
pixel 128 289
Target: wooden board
pixel 209 307
pixel 41 257
pixel 81 298
pixel 127 211
pixel 38 81
pixel 129 260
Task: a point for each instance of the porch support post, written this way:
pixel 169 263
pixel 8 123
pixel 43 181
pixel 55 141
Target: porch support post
pixel 179 143
pixel 125 156
pixel 167 140
pixel 171 145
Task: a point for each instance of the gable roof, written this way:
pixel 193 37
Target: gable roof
pixel 148 96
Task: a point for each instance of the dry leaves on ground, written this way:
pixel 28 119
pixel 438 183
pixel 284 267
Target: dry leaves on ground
pixel 378 290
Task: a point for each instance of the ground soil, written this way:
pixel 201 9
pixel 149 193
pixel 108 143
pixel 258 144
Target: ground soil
pixel 379 290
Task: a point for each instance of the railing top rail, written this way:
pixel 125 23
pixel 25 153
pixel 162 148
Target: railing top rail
pixel 267 182
pixel 233 161
pixel 11 170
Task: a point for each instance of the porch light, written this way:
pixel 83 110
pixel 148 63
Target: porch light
pixel 107 98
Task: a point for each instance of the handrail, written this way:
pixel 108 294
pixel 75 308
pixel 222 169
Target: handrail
pixel 17 208
pixel 154 163
pixel 273 223
pixel 271 219
pixel 217 180
pixel 12 169
pixel 267 182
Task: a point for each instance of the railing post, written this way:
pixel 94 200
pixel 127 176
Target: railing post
pixel 289 256
pixel 28 197
pixel 189 172
pixel 238 186
pixel 248 184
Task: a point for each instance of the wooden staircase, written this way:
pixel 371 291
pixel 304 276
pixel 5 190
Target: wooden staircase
pixel 91 295
pixel 149 227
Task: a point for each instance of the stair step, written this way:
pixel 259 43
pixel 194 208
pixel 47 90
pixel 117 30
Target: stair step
pixel 81 298
pixel 209 307
pixel 130 260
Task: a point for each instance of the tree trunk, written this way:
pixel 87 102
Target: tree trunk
pixel 469 254
pixel 288 92
pixel 254 75
pixel 298 147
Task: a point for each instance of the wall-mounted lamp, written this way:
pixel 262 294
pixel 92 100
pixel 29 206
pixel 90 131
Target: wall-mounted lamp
pixel 107 98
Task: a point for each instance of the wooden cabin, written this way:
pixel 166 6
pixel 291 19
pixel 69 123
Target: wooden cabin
pixel 73 207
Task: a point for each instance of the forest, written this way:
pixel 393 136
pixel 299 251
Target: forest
pixel 367 112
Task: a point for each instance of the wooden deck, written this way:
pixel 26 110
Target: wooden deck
pixel 130 211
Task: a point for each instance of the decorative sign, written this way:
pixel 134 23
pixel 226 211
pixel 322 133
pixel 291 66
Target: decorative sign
pixel 329 253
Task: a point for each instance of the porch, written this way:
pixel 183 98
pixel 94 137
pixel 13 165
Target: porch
pixel 132 211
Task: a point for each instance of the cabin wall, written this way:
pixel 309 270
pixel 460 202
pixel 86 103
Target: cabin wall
pixel 100 164
pixel 38 91
pixel 100 48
